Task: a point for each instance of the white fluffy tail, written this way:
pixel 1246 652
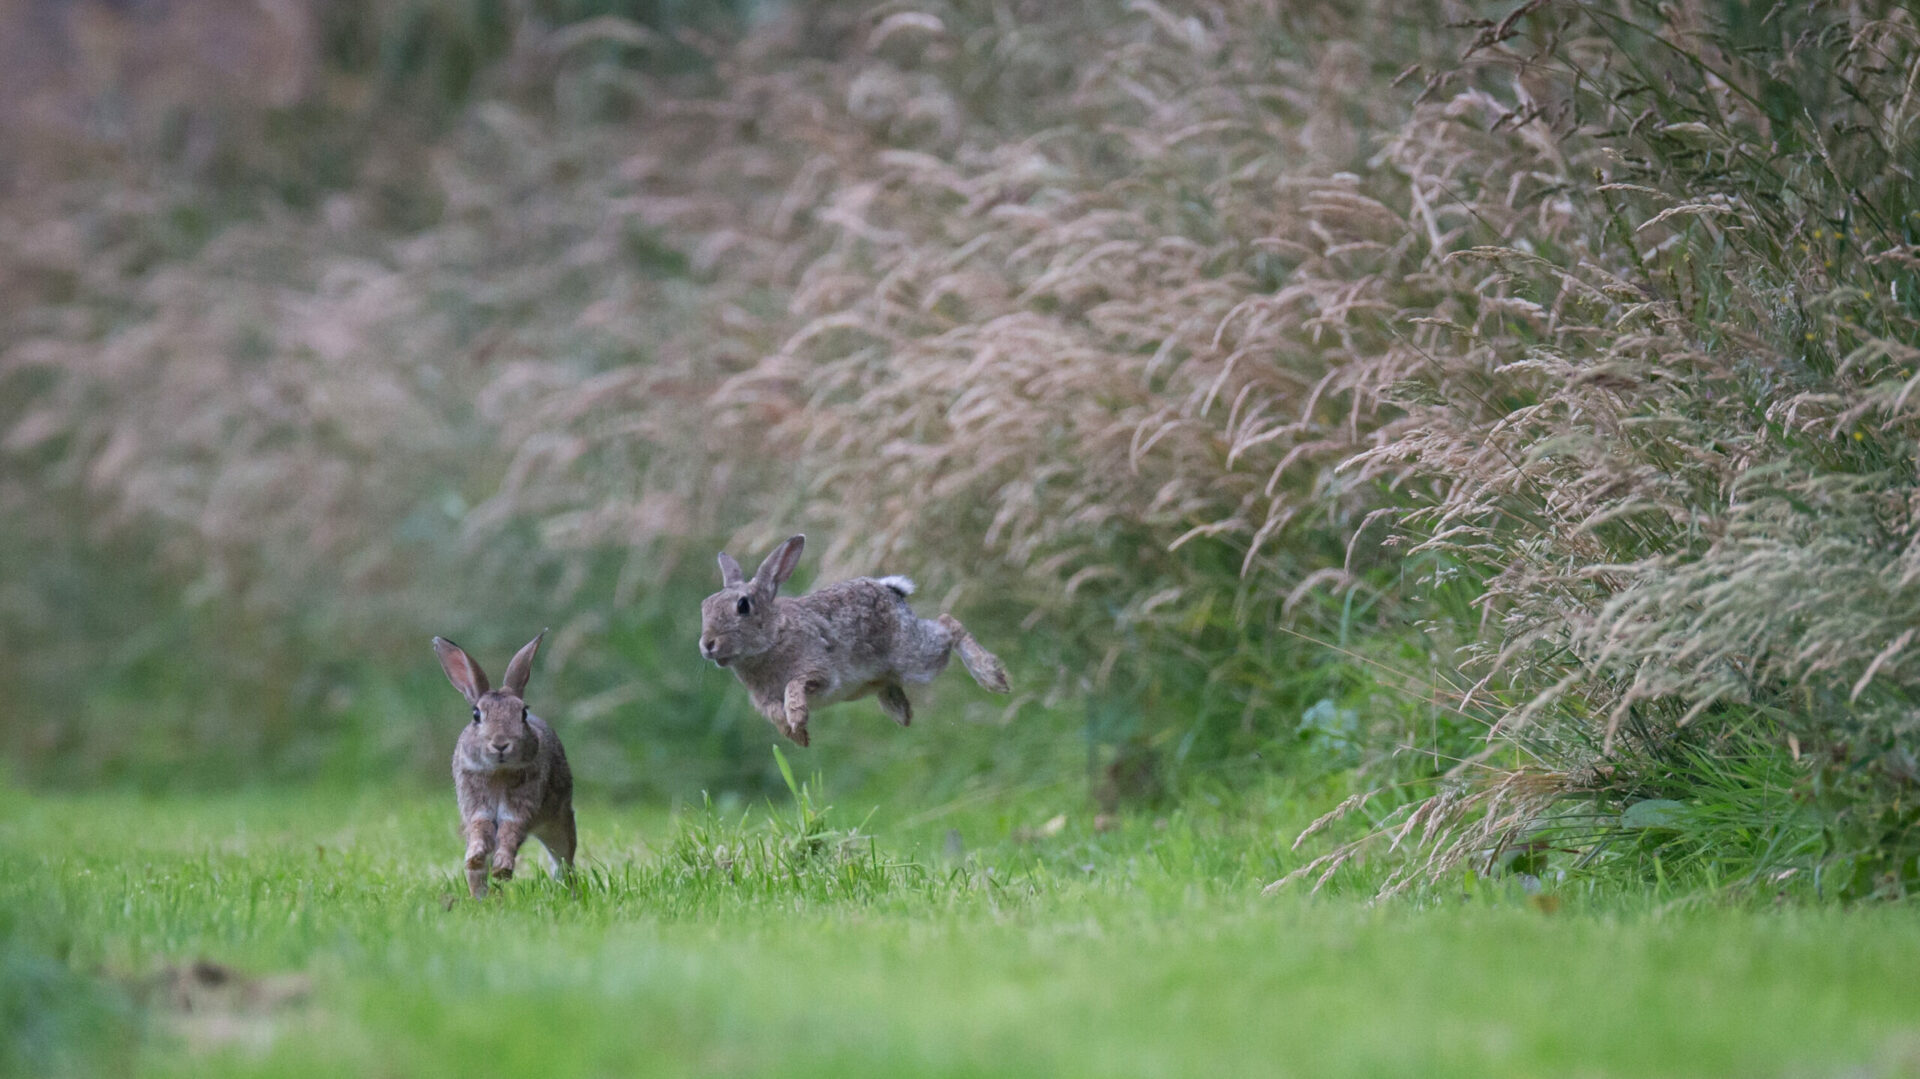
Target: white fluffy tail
pixel 902 585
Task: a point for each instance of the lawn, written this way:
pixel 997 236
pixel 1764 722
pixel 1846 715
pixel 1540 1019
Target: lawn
pixel 333 938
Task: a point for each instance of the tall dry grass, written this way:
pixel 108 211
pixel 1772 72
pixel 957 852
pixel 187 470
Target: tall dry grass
pixel 1670 429
pixel 1604 316
pixel 259 434
pixel 1048 337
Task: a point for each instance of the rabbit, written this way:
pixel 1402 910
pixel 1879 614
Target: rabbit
pixel 509 772
pixel 837 643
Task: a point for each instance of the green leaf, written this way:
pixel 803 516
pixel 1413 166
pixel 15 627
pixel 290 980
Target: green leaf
pixel 786 772
pixel 1654 813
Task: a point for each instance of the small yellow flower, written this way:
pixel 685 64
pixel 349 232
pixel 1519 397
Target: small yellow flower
pixel 1858 437
pixel 1809 335
pixel 1817 233
pixel 1829 264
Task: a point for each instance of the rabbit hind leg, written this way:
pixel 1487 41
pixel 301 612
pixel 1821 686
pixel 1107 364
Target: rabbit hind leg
pixel 984 666
pixel 559 838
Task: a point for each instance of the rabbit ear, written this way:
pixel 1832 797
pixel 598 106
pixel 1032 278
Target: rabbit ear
pixel 521 668
pixel 730 574
pixel 462 671
pixel 779 565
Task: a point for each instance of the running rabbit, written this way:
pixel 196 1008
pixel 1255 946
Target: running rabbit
pixel 509 771
pixel 837 643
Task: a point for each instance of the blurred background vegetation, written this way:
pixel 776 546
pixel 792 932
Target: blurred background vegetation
pixel 1503 414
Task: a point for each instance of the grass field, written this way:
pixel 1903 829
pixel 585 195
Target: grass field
pixel 333 939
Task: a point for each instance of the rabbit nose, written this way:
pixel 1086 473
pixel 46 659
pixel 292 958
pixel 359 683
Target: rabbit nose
pixel 706 646
pixel 502 747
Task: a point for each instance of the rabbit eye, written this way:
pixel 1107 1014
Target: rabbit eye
pixel 476 715
pixel 745 606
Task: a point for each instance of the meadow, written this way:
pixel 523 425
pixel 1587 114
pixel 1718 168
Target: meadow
pixel 329 940
pixel 1444 478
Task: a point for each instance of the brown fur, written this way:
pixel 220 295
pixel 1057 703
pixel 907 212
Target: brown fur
pixel 509 772
pixel 837 643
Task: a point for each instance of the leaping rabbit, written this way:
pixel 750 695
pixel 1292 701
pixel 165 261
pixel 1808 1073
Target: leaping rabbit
pixel 837 643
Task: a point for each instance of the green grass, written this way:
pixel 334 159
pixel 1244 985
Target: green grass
pixel 807 947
